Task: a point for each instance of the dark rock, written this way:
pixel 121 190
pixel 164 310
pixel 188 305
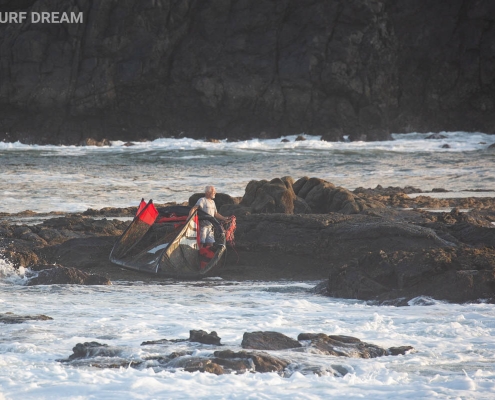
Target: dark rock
pixel 361 67
pixel 446 146
pixel 10 318
pixel 323 197
pixel 93 349
pixel 221 199
pixel 204 337
pixel 269 197
pixel 234 209
pixel 262 362
pixel 268 341
pixel 210 367
pixel 333 135
pixel 311 246
pixel 301 207
pixel 64 275
pixel 439 273
pixel 342 346
pixel 492 146
pixel 20 253
pixel 285 140
pixel 402 350
pixel 211 140
pixel 300 138
pixel 298 185
pixel 152 342
pixel 436 136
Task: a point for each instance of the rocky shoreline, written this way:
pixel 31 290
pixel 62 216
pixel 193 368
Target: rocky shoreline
pixel 259 352
pixel 371 244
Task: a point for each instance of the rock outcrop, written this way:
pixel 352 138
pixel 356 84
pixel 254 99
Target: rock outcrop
pixel 11 318
pixel 227 361
pixel 367 246
pixel 53 275
pixel 305 196
pixel 140 70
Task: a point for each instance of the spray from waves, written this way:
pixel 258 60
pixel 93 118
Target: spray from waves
pixel 11 275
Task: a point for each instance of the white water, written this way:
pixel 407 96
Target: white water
pixel 454 344
pixel 453 358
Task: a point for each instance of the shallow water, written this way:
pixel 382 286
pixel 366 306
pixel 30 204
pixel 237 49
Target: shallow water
pixel 454 344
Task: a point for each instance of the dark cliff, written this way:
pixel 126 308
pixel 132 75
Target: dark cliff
pixel 222 68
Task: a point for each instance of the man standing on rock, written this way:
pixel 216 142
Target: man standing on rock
pixel 207 204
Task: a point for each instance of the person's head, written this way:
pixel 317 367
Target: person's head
pixel 210 192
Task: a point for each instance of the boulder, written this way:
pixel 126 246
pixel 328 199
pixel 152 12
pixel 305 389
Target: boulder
pixel 269 197
pixel 201 336
pixel 323 197
pixel 221 199
pixel 268 341
pixel 457 274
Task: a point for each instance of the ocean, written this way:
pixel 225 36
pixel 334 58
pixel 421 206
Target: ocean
pixel 454 345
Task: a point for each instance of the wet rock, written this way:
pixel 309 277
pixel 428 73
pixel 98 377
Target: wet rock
pixel 10 318
pixel 268 341
pixel 228 361
pixel 20 253
pixel 300 138
pixel 285 140
pixel 198 336
pixel 436 136
pixel 93 349
pixel 95 142
pixel 201 336
pixel 207 366
pixel 64 275
pixel 446 146
pixel 263 362
pixel 440 273
pixel 159 341
pixel 400 351
pixel 342 346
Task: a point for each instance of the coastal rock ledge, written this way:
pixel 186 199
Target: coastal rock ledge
pixel 369 244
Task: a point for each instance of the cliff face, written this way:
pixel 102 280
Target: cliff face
pixel 223 68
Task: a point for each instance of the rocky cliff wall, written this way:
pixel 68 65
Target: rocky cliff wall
pixel 141 69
